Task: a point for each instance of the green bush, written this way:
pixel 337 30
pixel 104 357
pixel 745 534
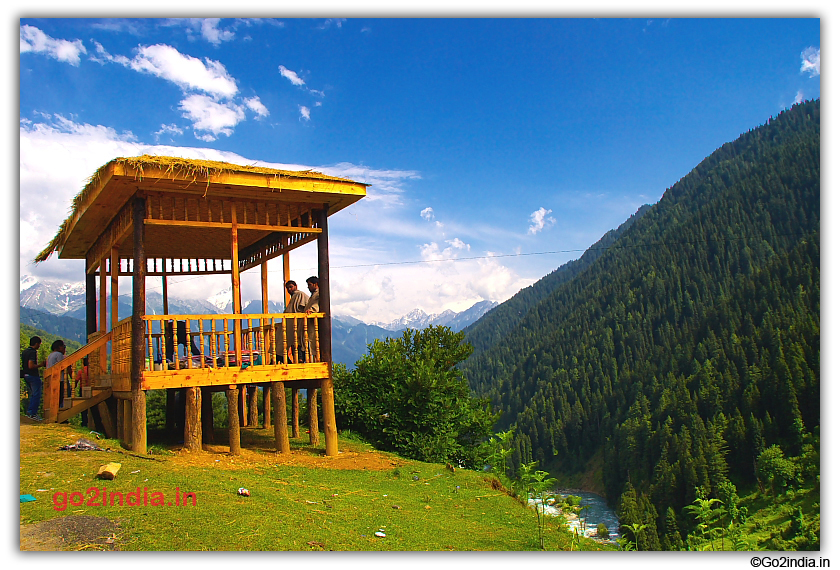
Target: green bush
pixel 406 396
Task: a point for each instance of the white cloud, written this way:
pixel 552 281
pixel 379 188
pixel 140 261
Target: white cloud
pixel 187 72
pixel 304 112
pixel 34 40
pixel 458 244
pixel 539 220
pixel 168 130
pixel 427 214
pixel 291 76
pixel 210 118
pixel 256 106
pixel 209 30
pixel 811 62
pixel 800 96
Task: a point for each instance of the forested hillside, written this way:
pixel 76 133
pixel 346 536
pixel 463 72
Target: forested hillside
pixel 689 347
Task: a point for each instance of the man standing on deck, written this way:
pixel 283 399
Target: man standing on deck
pixel 297 304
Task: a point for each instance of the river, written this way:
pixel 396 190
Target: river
pixel 598 512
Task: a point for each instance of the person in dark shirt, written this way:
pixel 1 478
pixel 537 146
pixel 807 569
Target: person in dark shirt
pixel 30 365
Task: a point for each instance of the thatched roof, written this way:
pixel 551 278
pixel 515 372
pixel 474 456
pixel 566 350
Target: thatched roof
pixel 103 187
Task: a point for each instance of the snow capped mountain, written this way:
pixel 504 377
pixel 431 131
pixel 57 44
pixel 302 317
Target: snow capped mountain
pixel 418 319
pixel 50 296
pixel 68 299
pixel 222 300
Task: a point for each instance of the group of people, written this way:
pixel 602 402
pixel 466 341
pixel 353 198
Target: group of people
pixel 300 302
pixel 31 374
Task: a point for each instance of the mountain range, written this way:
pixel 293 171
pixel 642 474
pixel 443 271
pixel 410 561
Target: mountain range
pixel 59 308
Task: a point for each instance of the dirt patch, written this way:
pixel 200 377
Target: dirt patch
pixel 253 457
pixel 73 532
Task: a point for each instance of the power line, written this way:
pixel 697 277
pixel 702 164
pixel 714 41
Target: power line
pixel 554 252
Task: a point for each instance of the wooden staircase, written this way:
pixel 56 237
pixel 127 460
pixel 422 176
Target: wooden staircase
pixel 76 405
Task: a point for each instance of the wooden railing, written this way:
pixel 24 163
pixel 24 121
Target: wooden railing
pixel 52 375
pixel 230 341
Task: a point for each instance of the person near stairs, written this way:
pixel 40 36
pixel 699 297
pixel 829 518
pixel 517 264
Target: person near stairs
pixel 57 355
pixel 30 365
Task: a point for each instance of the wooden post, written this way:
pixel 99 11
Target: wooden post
pixel 325 332
pixel 128 429
pixel 103 315
pixel 243 406
pixel 138 329
pixel 233 419
pixel 192 420
pixel 165 290
pixel 115 290
pixel 90 302
pixel 312 408
pixel 295 413
pixel 120 421
pixel 266 390
pixel 234 277
pixel 253 408
pixel 207 430
pixel 281 428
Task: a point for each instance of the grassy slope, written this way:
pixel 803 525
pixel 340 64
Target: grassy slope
pixel 299 505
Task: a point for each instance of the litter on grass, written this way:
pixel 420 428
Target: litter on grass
pixel 82 445
pixel 244 492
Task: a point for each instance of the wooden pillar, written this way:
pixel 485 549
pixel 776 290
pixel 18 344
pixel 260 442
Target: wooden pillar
pixel 234 277
pixel 281 428
pixel 295 413
pixel 233 419
pixel 165 290
pixel 120 420
pixel 128 429
pixel 207 430
pixel 325 332
pixel 138 329
pixel 192 420
pixel 243 406
pixel 115 290
pixel 90 302
pixel 312 409
pixel 253 408
pixel 266 390
pixel 103 314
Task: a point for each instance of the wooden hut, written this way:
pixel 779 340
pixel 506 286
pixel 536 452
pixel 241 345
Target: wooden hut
pixel 160 217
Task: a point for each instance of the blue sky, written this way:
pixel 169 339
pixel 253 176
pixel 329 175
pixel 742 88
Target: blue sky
pixel 481 138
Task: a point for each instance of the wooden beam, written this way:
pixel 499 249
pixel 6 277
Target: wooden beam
pixel 192 420
pixel 312 409
pixel 105 416
pixel 90 304
pixel 295 413
pixel 227 226
pixel 325 333
pixel 138 329
pixel 281 428
pixel 159 379
pixel 103 318
pixel 115 289
pixel 266 390
pixel 234 276
pixel 253 408
pixel 233 420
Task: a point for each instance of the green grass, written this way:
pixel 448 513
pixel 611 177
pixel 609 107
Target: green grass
pixel 303 506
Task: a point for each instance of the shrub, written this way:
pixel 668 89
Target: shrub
pixel 406 396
